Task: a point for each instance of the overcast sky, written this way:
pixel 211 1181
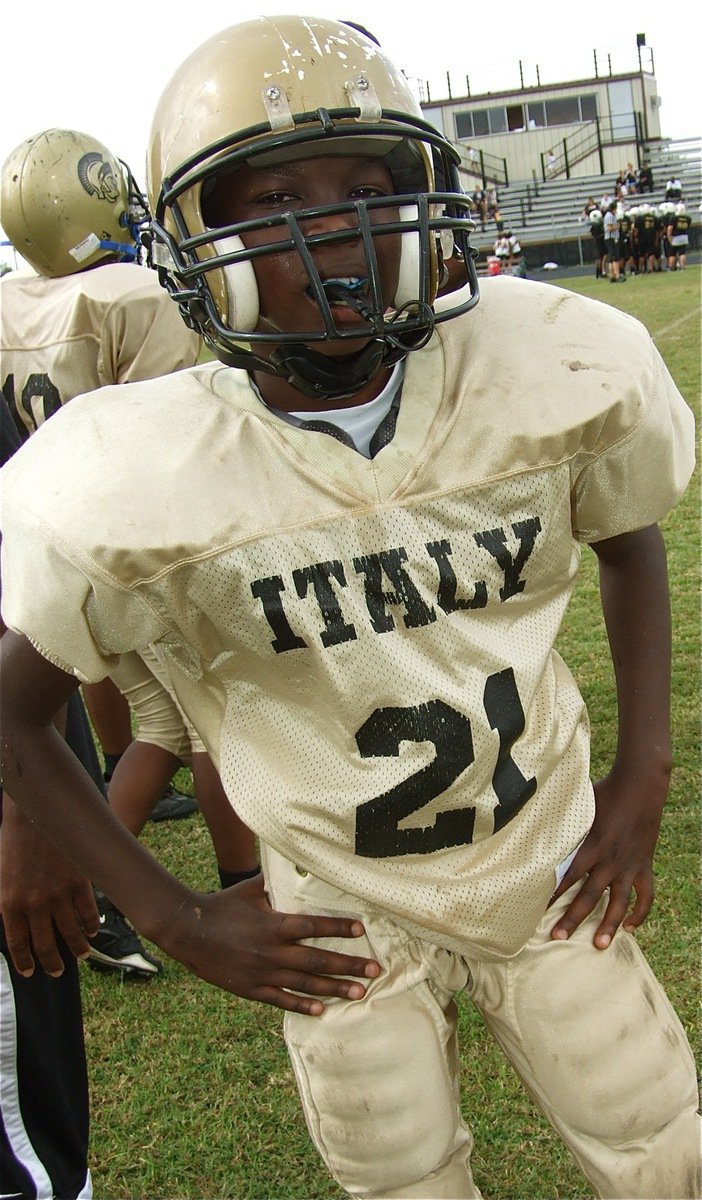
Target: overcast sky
pixel 100 68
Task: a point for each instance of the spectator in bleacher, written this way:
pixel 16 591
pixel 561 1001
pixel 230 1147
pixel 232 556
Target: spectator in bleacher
pixel 611 237
pixel 590 206
pixel 673 189
pixel 597 231
pixel 515 251
pixel 502 252
pixel 479 199
pixel 491 203
pixel 550 163
pixel 619 186
pixel 630 178
pixel 644 178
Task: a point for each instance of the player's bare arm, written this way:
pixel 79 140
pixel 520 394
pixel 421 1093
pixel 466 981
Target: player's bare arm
pixel 618 852
pixel 40 892
pixel 231 938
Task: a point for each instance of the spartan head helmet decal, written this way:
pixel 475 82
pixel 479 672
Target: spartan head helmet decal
pixel 97 176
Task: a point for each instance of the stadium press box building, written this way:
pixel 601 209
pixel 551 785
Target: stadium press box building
pixel 585 126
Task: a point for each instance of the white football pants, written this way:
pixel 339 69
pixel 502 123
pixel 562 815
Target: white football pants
pixel 591 1033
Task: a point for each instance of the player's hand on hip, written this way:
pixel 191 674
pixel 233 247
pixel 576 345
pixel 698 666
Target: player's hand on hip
pixel 616 856
pixel 235 940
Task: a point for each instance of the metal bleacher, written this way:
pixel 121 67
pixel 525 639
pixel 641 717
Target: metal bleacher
pixel 547 217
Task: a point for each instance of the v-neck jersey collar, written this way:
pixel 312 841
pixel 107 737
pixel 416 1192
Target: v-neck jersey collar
pixel 378 478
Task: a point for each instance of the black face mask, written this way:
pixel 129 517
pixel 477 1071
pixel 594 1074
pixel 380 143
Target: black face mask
pixel 423 219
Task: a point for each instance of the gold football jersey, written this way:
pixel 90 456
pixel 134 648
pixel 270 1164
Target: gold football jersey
pixel 60 338
pixel 367 645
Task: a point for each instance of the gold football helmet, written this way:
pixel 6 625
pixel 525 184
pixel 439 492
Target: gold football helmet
pixel 67 202
pixel 279 89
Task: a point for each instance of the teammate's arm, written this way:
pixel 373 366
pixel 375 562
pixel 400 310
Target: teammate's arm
pixel 231 938
pixel 40 891
pixel 618 852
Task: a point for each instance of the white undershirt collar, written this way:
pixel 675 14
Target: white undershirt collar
pixel 359 421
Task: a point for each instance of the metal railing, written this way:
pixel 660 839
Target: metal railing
pixel 591 139
pixel 488 168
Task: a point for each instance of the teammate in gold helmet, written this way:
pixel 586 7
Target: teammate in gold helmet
pixel 67 203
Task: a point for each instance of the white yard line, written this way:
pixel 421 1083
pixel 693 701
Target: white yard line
pixel 666 329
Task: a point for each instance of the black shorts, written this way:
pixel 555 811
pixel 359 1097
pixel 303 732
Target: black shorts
pixel 44 1110
pixel 612 245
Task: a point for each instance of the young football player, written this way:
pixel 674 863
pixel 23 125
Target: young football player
pixel 597 232
pixel 678 227
pixel 647 228
pixel 357 596
pixel 611 238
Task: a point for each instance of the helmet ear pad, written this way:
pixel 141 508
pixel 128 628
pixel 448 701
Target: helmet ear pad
pixel 408 281
pixel 241 289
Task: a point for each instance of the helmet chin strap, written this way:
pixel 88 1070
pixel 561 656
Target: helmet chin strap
pixel 323 378
pixel 313 374
pixel 316 375
pixel 320 377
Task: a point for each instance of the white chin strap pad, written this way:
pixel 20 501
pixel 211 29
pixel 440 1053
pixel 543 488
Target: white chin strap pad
pixel 242 289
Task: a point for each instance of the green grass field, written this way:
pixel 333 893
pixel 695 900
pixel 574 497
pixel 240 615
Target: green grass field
pixel 192 1095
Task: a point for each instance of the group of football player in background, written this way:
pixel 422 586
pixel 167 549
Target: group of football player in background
pixel 652 237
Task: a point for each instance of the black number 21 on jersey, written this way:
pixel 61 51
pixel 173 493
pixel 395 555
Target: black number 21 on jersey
pixel 378 833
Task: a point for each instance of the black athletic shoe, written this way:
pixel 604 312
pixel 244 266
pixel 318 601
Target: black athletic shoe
pixel 116 946
pixel 173 806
